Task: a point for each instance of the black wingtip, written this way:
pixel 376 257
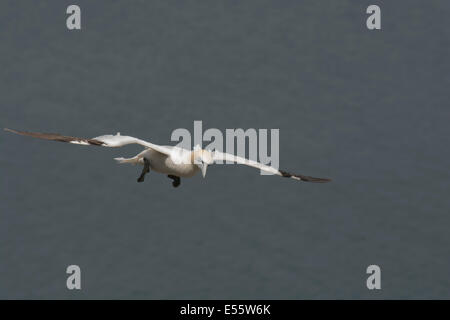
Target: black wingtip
pixel 15 131
pixel 12 131
pixel 313 179
pixel 304 178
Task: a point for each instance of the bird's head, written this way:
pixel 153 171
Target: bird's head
pixel 202 158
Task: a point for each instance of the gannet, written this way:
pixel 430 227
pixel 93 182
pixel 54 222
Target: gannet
pixel 173 161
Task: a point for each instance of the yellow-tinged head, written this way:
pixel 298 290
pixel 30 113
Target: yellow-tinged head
pixel 201 158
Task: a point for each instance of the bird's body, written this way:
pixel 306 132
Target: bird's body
pixel 173 161
pixel 177 163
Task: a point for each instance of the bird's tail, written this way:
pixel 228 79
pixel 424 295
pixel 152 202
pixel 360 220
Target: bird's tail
pixel 134 160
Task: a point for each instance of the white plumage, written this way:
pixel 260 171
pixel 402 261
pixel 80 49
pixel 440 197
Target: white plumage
pixel 174 161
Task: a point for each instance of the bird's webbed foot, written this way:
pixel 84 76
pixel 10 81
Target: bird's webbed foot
pixel 176 180
pixel 145 170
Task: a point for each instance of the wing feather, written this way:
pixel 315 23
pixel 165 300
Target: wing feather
pixel 112 141
pixel 220 156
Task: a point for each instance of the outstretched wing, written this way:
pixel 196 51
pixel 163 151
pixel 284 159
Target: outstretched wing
pixel 220 156
pixel 112 141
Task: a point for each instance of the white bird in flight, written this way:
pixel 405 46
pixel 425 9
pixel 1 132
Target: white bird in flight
pixel 174 161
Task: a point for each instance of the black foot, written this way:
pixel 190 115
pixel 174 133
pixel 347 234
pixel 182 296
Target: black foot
pixel 145 170
pixel 176 180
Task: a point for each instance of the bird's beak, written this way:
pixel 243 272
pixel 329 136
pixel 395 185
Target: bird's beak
pixel 204 167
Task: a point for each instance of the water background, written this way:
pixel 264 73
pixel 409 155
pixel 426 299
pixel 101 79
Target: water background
pixel 369 109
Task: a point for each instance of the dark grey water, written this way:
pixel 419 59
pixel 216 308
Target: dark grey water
pixel 368 108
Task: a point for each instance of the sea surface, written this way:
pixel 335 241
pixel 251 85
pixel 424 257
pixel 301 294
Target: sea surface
pixel 369 109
